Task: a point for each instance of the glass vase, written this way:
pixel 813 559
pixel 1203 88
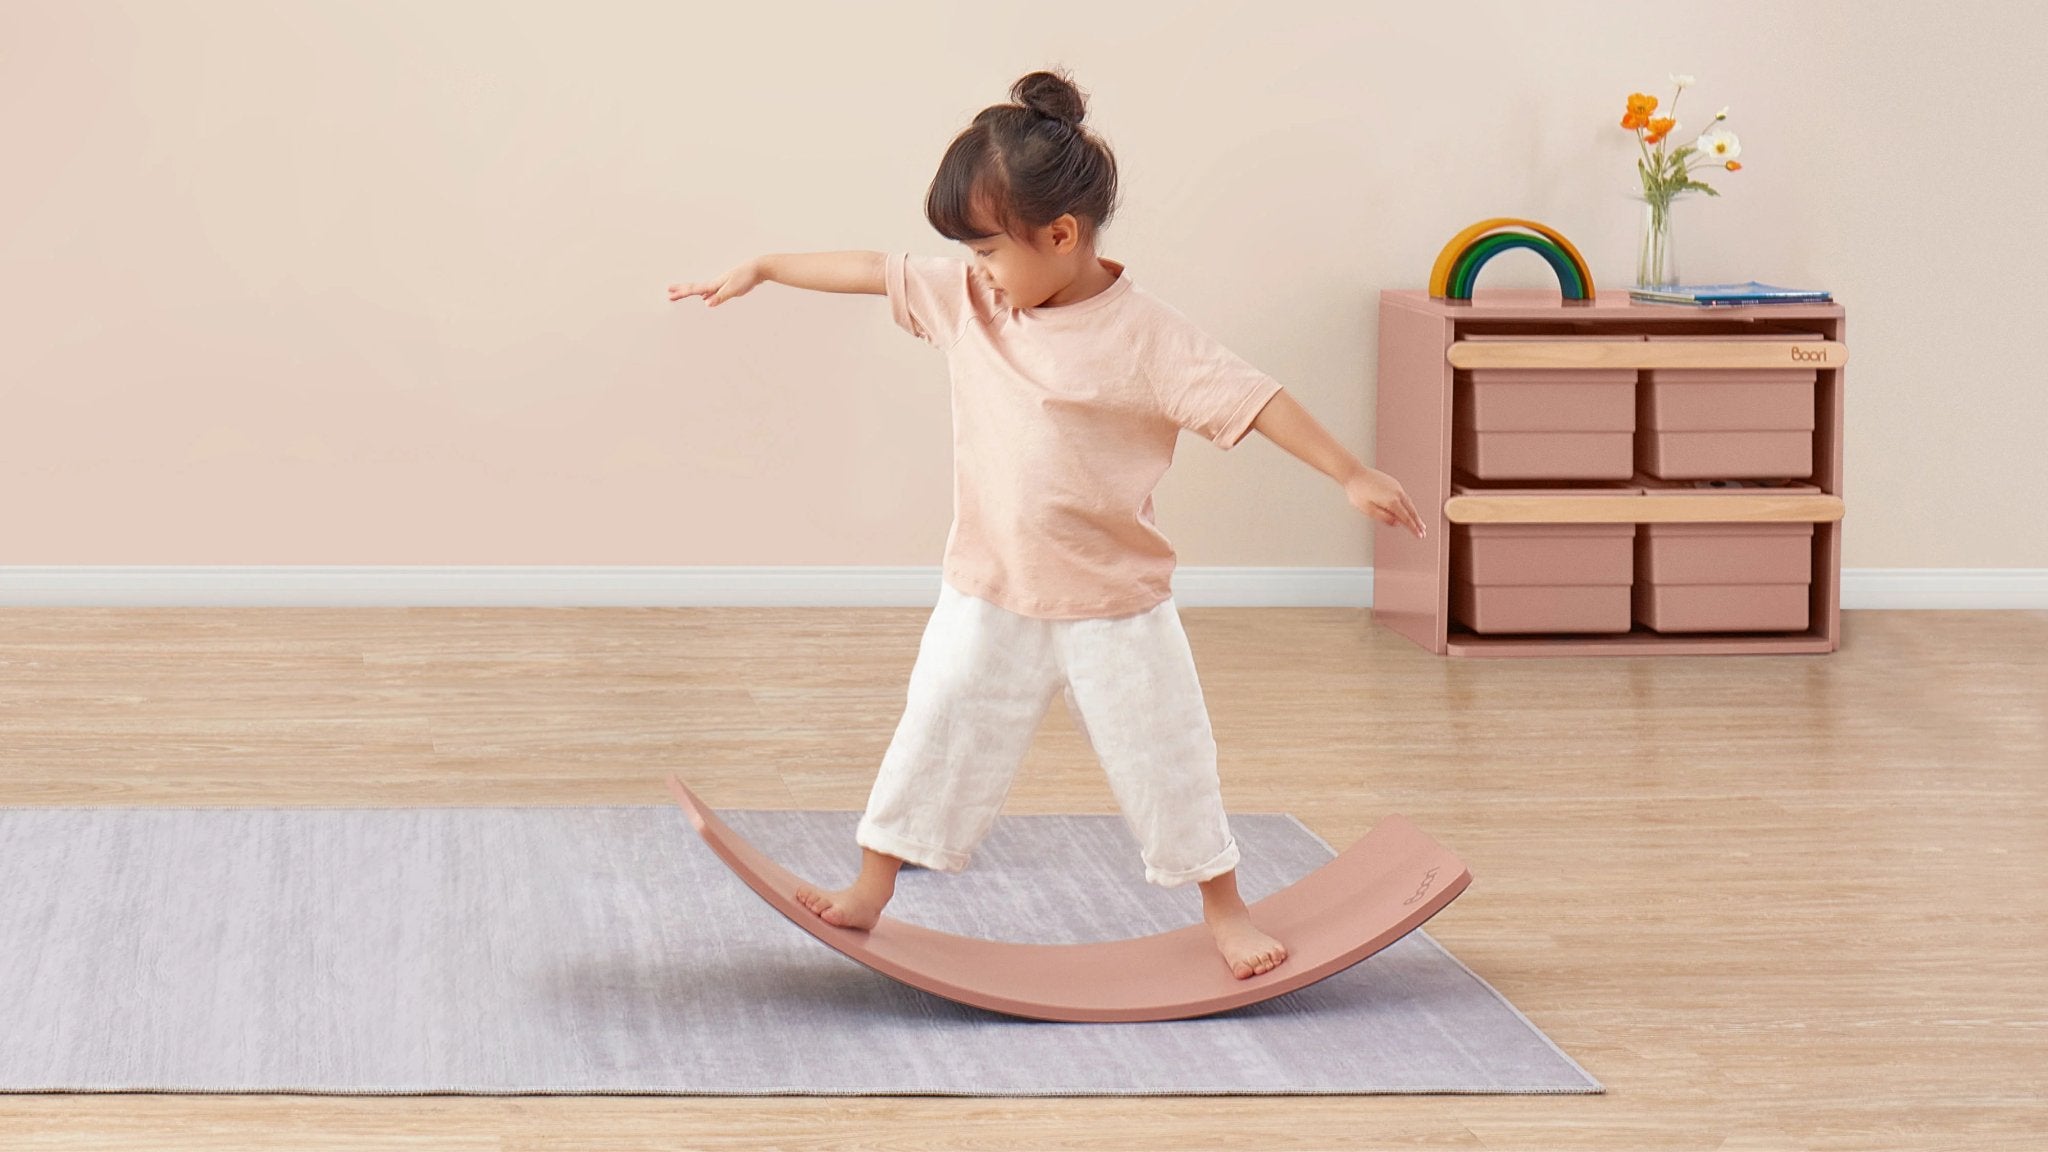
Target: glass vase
pixel 1657 243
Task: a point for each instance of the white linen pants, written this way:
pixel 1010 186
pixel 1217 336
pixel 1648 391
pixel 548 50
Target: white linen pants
pixel 983 681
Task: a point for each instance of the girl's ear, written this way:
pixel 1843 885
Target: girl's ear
pixel 1064 233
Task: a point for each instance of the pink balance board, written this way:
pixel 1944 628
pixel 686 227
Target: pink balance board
pixel 1372 894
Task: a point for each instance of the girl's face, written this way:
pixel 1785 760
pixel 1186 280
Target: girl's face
pixel 994 263
pixel 1025 275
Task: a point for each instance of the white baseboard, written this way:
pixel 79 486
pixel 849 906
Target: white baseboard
pixel 1945 588
pixel 797 586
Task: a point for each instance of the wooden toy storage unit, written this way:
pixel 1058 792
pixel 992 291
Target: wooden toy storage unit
pixel 1606 477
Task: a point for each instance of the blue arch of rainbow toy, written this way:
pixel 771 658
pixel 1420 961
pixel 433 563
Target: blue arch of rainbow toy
pixel 1458 265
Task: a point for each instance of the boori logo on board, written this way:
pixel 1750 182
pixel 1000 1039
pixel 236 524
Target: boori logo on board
pixel 1422 889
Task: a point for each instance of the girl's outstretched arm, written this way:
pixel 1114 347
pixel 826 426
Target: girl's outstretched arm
pixel 1286 423
pixel 856 271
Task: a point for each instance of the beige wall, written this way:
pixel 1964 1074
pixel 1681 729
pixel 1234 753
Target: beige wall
pixel 383 283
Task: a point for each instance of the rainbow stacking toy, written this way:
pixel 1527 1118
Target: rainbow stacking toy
pixel 1457 266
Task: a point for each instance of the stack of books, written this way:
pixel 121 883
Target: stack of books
pixel 1725 294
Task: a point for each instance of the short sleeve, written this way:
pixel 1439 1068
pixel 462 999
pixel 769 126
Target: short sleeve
pixel 930 297
pixel 1203 386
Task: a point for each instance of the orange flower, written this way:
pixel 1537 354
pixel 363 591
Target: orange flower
pixel 1639 108
pixel 1658 128
pixel 1733 165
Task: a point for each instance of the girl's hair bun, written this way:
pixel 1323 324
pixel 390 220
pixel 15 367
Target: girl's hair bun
pixel 1050 94
pixel 1022 165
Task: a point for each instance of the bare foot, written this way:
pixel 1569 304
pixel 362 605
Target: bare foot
pixel 859 904
pixel 850 907
pixel 1248 951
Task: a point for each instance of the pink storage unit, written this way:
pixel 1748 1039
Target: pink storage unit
pixel 1447 434
pixel 1724 577
pixel 1542 577
pixel 1545 423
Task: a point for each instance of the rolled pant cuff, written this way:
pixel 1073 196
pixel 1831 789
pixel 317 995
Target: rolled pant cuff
pixel 923 855
pixel 1222 862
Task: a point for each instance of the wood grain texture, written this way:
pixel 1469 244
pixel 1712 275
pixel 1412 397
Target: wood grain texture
pixel 1614 509
pixel 1771 902
pixel 1626 353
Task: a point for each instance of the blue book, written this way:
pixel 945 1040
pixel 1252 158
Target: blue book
pixel 1750 292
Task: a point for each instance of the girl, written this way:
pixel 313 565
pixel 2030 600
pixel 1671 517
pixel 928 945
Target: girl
pixel 1070 385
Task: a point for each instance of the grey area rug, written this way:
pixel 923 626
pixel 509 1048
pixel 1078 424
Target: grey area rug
pixel 513 950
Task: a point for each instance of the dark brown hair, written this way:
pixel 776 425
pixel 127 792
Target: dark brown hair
pixel 1024 164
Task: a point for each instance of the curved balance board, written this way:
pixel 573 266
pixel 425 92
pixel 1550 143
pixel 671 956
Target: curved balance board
pixel 1369 896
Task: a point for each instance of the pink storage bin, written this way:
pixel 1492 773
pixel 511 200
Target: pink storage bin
pixel 1544 423
pixel 1727 423
pixel 1747 577
pixel 1542 577
pixel 1732 423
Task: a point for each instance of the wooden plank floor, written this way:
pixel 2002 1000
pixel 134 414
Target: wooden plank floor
pixel 1771 902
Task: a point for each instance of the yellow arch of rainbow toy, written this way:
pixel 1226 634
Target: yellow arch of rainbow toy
pixel 1440 274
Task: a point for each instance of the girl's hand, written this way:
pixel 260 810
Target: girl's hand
pixel 737 282
pixel 1381 497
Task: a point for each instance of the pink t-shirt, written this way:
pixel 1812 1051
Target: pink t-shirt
pixel 1064 420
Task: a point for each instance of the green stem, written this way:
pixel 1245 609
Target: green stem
pixel 1649 166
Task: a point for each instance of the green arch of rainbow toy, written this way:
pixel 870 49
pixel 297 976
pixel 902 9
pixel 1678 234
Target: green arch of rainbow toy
pixel 1457 266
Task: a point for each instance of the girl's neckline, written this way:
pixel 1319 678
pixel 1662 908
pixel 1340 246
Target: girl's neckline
pixel 1117 287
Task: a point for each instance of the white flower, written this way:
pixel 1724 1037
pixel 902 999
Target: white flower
pixel 1720 144
pixel 1722 114
pixel 1683 80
